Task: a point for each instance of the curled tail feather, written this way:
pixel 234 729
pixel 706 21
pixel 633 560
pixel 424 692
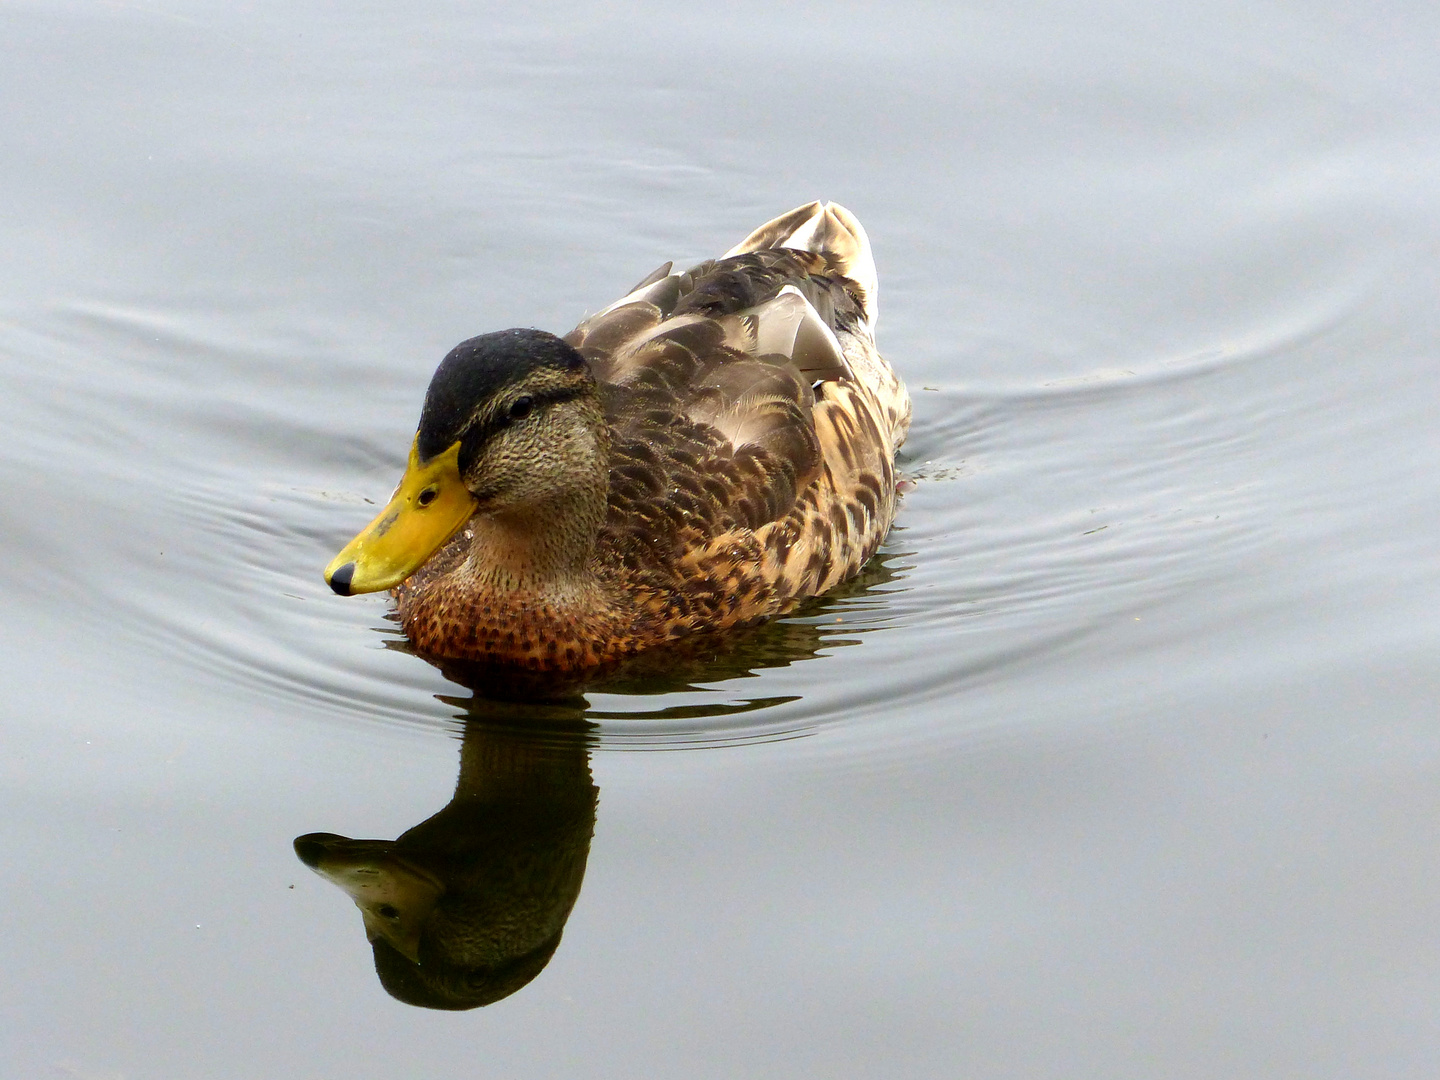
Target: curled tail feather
pixel 830 230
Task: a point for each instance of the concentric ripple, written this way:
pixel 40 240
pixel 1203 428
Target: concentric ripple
pixel 1032 516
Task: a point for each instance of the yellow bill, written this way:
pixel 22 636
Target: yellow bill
pixel 427 509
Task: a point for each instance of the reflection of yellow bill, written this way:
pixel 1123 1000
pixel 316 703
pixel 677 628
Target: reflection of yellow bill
pixel 427 509
pixel 395 897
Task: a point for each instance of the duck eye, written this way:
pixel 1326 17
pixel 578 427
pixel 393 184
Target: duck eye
pixel 521 407
pixel 427 496
pixel 388 911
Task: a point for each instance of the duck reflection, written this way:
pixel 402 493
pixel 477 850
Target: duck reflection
pixel 468 906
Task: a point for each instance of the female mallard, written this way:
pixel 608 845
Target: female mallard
pixel 706 452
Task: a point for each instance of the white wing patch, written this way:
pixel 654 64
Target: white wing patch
pixel 790 326
pixel 649 291
pixel 827 229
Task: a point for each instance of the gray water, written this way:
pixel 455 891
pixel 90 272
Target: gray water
pixel 1121 761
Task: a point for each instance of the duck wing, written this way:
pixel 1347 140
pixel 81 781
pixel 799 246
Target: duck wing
pixel 748 423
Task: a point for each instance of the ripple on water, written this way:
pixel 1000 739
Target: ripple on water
pixel 1034 515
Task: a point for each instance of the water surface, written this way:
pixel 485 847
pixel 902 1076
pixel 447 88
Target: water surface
pixel 1120 760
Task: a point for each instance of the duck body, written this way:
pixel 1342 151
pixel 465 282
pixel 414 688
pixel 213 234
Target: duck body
pixel 705 453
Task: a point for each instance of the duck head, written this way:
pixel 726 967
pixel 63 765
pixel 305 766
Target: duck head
pixel 511 425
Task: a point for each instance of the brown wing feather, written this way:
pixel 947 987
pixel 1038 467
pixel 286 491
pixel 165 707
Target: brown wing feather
pixel 727 473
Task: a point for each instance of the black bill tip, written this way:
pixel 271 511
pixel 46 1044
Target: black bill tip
pixel 340 580
pixel 311 848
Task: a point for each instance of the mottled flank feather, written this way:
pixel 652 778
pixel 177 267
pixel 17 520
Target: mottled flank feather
pixel 753 430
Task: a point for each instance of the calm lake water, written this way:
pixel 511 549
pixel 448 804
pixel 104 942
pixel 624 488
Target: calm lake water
pixel 1121 761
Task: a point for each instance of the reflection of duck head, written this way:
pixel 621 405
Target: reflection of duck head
pixel 468 906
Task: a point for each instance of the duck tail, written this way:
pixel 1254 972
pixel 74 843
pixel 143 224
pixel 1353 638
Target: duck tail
pixel 830 230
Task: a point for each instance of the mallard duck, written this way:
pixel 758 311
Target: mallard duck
pixel 706 452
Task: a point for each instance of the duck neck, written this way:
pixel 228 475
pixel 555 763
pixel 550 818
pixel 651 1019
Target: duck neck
pixel 541 547
pixel 539 551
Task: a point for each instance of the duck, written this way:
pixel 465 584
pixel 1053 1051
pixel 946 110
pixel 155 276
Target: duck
pixel 705 453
